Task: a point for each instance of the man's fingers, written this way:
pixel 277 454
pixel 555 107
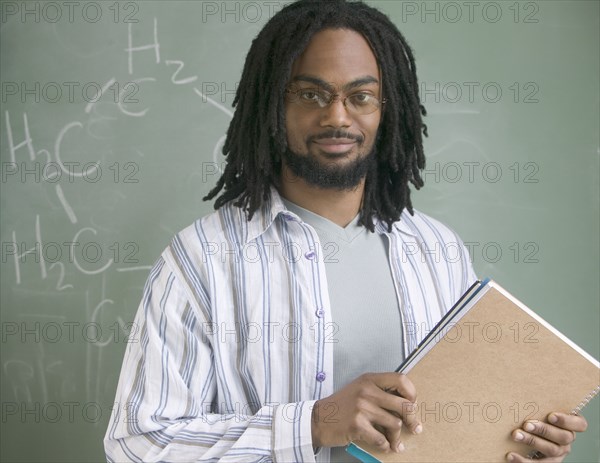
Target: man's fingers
pixel 376 422
pixel 540 444
pixel 409 416
pixel 372 436
pixel 552 439
pixel 394 437
pixel 549 432
pixel 391 426
pixel 398 396
pixel 516 458
pixel 401 407
pixel 396 383
pixel 575 423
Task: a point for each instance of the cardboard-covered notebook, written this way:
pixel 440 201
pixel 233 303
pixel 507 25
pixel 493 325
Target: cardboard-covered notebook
pixel 490 364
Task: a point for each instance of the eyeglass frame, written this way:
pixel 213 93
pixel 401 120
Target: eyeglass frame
pixel 334 96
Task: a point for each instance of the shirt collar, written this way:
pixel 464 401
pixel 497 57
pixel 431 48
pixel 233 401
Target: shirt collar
pixel 273 207
pixel 400 225
pixel 266 214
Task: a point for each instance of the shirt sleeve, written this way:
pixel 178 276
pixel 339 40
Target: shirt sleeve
pixel 167 394
pixel 467 266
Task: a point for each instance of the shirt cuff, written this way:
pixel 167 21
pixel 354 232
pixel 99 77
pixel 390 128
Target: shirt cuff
pixel 292 433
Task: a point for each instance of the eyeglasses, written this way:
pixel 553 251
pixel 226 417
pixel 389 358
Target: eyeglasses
pixel 360 103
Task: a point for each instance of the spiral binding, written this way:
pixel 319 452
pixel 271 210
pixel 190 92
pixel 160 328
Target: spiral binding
pixel 585 401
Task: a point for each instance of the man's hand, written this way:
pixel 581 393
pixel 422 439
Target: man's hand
pixel 372 408
pixel 552 439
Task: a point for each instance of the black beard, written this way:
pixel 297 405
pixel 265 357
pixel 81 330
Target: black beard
pixel 330 176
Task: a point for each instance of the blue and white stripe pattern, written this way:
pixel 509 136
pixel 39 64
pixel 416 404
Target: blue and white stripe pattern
pixel 231 354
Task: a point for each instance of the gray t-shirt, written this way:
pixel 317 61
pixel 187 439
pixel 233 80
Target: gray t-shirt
pixel 363 301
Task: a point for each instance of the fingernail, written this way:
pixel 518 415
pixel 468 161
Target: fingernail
pixel 553 418
pixel 400 447
pixel 510 457
pixel 529 427
pixel 519 436
pixel 419 429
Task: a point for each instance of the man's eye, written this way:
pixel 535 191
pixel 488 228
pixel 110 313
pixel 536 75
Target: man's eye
pixel 311 96
pixel 362 99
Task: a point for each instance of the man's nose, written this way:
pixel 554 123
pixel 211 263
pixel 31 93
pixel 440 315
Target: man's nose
pixel 336 114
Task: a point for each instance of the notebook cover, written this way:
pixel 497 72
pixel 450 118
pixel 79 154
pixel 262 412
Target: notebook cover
pixel 498 366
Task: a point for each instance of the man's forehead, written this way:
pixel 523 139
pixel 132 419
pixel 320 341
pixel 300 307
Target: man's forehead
pixel 337 55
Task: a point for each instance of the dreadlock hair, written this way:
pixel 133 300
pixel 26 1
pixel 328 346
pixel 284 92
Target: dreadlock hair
pixel 256 136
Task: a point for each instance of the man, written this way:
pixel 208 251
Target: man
pixel 258 322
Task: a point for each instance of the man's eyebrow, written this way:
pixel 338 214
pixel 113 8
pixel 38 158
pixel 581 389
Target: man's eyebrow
pixel 327 86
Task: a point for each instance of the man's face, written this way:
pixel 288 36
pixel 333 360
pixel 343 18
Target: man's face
pixel 332 147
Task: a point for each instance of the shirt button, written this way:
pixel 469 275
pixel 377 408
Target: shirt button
pixel 320 313
pixel 310 255
pixel 288 217
pixel 321 376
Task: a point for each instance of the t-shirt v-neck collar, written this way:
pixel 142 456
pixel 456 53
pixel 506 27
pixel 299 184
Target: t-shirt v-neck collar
pixel 347 233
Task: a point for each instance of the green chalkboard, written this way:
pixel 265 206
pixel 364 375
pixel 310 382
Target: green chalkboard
pixel 111 123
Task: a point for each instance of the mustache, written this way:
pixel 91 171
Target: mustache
pixel 336 134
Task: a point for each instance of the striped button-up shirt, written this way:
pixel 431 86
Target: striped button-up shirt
pixel 234 335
